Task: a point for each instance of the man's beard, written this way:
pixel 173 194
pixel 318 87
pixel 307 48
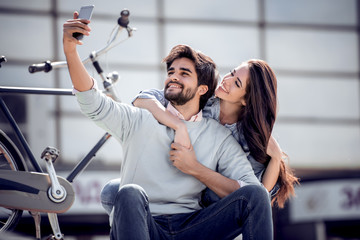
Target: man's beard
pixel 180 98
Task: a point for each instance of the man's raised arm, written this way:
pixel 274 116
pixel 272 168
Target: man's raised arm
pixel 80 78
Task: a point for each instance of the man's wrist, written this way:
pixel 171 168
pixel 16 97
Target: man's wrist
pixel 69 48
pixel 70 51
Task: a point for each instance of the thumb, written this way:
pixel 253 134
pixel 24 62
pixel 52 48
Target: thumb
pixel 76 15
pixel 176 146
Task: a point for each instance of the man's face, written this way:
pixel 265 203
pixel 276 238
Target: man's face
pixel 181 84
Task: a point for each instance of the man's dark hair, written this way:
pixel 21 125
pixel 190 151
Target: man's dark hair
pixel 204 66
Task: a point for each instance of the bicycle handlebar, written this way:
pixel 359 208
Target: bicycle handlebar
pixel 2 59
pixel 45 66
pixel 124 18
pixel 123 22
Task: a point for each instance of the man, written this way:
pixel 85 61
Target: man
pixel 159 191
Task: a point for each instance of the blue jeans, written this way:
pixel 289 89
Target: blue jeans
pixel 108 194
pixel 245 211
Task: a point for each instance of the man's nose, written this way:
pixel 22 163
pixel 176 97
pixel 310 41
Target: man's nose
pixel 174 77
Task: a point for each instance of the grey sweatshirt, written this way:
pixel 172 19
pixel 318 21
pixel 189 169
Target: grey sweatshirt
pixel 146 146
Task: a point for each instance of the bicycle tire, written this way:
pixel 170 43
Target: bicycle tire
pixel 10 159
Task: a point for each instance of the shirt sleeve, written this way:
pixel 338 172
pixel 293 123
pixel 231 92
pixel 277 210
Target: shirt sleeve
pixel 95 86
pixel 119 119
pixel 234 164
pixel 152 94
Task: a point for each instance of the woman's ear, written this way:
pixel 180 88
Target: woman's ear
pixel 202 89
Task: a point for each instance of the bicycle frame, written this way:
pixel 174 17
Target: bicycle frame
pixel 46 91
pixel 37 182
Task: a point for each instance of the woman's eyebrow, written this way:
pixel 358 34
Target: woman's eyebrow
pixel 234 71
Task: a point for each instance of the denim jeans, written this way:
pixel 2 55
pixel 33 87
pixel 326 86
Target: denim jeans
pixel 245 211
pixel 108 194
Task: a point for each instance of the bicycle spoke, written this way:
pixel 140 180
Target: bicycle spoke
pixel 5 213
pixel 4 164
pixel 9 160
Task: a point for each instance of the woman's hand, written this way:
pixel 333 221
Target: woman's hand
pixel 184 158
pixel 182 136
pixel 273 149
pixel 71 26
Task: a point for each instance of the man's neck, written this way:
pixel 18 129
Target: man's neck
pixel 187 110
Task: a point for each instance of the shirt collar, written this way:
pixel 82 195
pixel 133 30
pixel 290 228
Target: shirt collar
pixel 196 118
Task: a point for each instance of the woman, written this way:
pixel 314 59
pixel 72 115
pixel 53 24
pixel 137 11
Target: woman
pixel 247 96
pixel 245 102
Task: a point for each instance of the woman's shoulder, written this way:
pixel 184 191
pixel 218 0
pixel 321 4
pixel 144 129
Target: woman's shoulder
pixel 212 101
pixel 212 108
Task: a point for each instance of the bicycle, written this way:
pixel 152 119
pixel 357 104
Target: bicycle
pixel 40 191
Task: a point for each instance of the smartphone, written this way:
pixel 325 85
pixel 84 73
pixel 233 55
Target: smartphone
pixel 85 13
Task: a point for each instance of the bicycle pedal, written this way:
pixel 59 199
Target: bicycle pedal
pixel 52 237
pixel 50 153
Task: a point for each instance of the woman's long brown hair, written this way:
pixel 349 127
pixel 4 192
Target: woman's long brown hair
pixel 257 120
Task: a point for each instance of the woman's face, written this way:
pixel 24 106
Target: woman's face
pixel 232 86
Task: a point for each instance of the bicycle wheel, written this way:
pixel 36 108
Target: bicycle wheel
pixel 10 159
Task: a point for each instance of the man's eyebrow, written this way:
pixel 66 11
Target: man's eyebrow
pixel 186 69
pixel 181 68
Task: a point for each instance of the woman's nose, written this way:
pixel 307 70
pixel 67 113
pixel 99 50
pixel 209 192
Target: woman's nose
pixel 225 80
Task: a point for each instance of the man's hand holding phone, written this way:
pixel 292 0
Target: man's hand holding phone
pixel 85 13
pixel 74 29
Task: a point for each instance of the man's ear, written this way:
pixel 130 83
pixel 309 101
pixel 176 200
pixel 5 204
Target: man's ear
pixel 202 89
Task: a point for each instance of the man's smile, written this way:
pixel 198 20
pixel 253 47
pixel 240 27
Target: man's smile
pixel 173 85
